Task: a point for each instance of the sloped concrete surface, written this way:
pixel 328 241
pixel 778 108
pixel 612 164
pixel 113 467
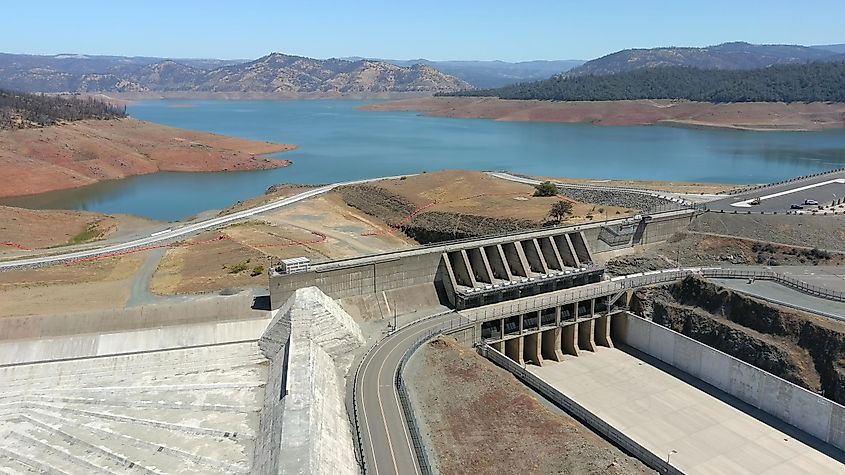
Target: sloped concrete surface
pixel 188 410
pixel 304 427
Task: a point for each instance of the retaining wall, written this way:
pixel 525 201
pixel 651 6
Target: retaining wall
pixel 397 270
pixel 580 412
pixel 215 308
pixel 803 409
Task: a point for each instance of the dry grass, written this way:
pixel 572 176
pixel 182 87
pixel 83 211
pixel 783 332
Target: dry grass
pixel 480 419
pixel 480 194
pixel 95 285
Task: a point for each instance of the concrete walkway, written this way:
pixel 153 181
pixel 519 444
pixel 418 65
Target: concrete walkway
pixel 703 434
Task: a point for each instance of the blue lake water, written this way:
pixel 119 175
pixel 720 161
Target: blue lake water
pixel 337 142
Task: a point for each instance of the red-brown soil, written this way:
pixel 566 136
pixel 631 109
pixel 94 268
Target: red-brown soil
pixel 479 419
pixel 745 116
pixel 81 153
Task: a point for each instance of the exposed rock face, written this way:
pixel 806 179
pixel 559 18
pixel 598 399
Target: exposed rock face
pixel 797 346
pixel 274 73
pixel 428 226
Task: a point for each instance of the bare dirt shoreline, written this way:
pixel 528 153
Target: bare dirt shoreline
pixel 38 160
pixel 739 116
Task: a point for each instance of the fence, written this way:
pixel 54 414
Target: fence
pixel 739 191
pixel 454 324
pixel 580 412
pixel 793 283
pixel 576 294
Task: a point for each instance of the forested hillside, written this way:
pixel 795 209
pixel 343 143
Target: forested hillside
pixel 21 110
pixel 814 82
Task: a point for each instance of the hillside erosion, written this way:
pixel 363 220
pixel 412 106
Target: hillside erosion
pixel 740 116
pixel 70 155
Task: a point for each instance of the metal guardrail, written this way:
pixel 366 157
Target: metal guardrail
pixel 454 324
pixel 576 294
pixel 799 285
pixel 746 189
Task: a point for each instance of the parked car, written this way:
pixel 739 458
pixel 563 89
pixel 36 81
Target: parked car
pixel 811 202
pixel 796 206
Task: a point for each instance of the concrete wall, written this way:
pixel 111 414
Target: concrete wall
pixel 809 412
pixel 303 426
pixel 356 280
pixel 132 341
pixel 374 274
pixel 593 421
pixel 216 308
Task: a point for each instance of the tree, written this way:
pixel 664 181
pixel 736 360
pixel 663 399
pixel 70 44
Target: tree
pixel 545 189
pixel 560 210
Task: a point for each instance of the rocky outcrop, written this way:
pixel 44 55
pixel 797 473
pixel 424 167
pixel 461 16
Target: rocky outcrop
pixel 797 346
pixel 427 226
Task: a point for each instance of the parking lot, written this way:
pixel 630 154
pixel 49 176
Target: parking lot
pixel 824 189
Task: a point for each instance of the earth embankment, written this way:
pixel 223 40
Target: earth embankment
pixel 797 346
pixel 447 205
pixel 740 116
pixel 80 153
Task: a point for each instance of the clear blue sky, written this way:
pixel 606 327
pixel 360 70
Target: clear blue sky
pixel 433 29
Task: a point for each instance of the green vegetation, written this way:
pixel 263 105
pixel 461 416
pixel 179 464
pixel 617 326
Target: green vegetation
pixel 560 210
pixel 813 82
pixel 92 231
pixel 239 267
pixel 545 189
pixel 20 110
pixel 256 271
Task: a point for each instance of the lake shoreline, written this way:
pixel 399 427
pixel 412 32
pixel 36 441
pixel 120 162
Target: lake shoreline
pixel 77 154
pixel 755 116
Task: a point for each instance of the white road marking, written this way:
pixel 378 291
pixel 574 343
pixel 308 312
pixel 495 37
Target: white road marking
pixel 747 203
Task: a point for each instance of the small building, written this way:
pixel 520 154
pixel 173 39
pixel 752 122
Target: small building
pixel 294 265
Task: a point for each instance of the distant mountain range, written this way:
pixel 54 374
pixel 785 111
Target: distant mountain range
pixel 272 74
pixel 730 56
pixel 486 74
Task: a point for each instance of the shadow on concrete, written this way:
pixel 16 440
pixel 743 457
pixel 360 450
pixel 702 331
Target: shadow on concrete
pixel 734 402
pixel 261 302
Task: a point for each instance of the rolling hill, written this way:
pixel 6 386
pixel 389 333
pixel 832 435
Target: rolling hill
pixel 730 56
pixel 275 73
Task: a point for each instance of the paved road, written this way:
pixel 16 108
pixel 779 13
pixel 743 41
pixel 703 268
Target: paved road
pixel 788 296
pixel 179 232
pixel 685 198
pixel 386 441
pixel 778 198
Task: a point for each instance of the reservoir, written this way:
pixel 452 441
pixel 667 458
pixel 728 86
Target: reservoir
pixel 338 142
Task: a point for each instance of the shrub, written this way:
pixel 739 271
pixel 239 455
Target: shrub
pixel 560 210
pixel 545 189
pixel 257 270
pixel 239 267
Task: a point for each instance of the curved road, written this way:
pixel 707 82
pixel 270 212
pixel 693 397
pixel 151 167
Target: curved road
pixel 171 234
pixel 387 445
pixel 386 442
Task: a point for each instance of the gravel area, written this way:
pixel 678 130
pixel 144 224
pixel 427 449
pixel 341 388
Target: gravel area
pixel 823 232
pixel 622 199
